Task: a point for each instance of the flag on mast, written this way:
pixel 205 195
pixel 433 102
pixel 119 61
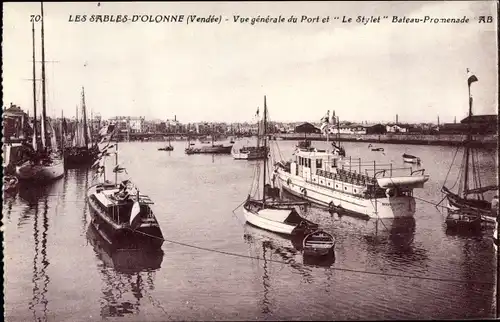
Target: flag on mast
pixel 325 120
pixel 471 78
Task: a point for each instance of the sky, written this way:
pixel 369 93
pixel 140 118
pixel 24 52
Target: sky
pixel 221 72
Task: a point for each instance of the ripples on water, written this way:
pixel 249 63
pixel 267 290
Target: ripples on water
pixel 58 269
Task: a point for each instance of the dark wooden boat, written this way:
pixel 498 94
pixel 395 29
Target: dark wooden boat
pixel 77 157
pixel 167 148
pixel 318 243
pixel 463 220
pixel 210 149
pixel 378 149
pixel 123 217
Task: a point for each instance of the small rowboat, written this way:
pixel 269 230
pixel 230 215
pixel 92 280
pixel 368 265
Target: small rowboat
pixel 408 158
pixel 318 243
pixel 377 149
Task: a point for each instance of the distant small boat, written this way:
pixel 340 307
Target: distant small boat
pixel 167 148
pixel 10 183
pixel 318 243
pixel 250 153
pixel 377 149
pixel 408 158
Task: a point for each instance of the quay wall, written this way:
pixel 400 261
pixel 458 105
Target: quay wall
pixel 486 140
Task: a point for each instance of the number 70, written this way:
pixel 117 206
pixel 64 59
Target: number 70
pixel 35 18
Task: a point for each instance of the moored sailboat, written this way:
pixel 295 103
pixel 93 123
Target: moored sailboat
pixel 468 204
pixel 169 147
pixel 45 163
pixel 270 212
pixel 250 152
pixel 83 151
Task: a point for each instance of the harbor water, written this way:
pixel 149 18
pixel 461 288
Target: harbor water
pixel 214 266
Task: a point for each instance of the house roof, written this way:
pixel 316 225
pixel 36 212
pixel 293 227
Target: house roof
pixel 491 118
pixel 13 110
pixel 306 128
pixel 399 125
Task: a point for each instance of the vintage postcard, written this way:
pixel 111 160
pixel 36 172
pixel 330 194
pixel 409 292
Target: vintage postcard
pixel 203 161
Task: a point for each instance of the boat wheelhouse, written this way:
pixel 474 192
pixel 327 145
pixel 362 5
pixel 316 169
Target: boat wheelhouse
pixel 351 185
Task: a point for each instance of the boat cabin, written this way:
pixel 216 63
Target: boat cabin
pixel 349 176
pixel 117 204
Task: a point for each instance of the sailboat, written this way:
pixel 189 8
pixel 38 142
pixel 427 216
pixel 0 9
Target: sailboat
pixel 468 205
pixel 46 163
pixel 250 152
pixel 270 212
pixel 169 147
pixel 83 151
pixel 120 213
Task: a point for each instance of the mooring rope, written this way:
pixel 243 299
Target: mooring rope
pixel 342 269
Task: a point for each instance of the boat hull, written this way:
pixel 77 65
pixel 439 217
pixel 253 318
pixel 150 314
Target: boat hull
pixel 461 221
pixel 410 160
pixel 210 150
pixel 146 236
pixel 389 207
pixel 317 252
pixel 40 172
pixel 80 157
pixel 249 156
pixel 274 226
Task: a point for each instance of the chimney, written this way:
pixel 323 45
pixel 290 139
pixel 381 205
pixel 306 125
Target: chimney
pixel 455 121
pixel 175 118
pixel 396 119
pixel 438 120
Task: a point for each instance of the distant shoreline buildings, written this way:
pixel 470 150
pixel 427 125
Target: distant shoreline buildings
pixel 18 126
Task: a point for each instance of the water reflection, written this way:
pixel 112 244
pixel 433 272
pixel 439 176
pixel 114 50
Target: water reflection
pixel 127 275
pixel 263 245
pixel 40 280
pixel 82 177
pixel 8 203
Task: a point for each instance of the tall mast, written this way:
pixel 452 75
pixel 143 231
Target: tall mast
pixel 62 132
pixel 265 149
pixel 44 100
pixel 470 79
pixel 35 134
pixel 84 112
